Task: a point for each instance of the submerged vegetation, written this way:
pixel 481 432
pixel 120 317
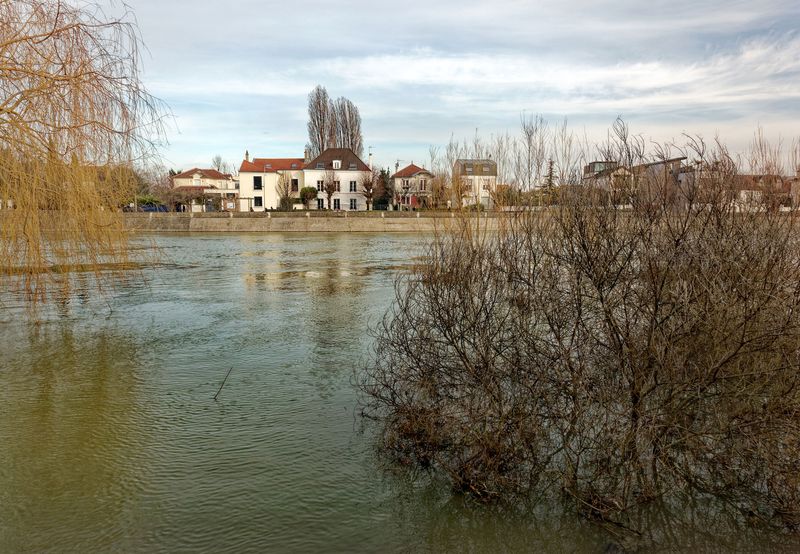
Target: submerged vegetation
pixel 613 358
pixel 74 120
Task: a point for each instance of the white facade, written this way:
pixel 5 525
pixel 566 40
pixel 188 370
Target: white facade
pixel 478 190
pixel 348 196
pixel 259 190
pixel 478 179
pixel 259 180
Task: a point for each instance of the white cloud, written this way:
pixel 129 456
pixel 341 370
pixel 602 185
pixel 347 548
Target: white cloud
pixel 422 70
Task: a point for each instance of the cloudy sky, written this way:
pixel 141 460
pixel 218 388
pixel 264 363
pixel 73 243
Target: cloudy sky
pixel 236 74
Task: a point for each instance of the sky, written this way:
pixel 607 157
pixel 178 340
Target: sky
pixel 236 74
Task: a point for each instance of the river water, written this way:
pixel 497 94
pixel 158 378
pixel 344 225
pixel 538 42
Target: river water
pixel 110 439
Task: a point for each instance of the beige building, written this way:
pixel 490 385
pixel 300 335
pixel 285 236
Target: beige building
pixel 478 179
pixel 207 189
pixel 412 186
pixel 259 180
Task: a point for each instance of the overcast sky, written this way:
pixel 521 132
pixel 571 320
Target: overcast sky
pixel 236 74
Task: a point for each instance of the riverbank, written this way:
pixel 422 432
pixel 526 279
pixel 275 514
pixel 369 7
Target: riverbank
pixel 302 222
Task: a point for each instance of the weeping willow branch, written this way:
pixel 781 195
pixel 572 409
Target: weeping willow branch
pixel 75 119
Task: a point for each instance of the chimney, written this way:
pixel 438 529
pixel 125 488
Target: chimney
pixel 247 155
pixel 306 156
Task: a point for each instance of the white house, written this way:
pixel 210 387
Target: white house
pixel 259 180
pixel 412 185
pixel 479 180
pixel 208 183
pixel 346 170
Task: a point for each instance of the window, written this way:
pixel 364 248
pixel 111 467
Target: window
pixel 257 182
pixel 320 165
pixel 337 204
pixel 295 185
pixel 486 185
pixel 469 168
pixel 353 204
pixel 338 186
pixel 258 201
pixel 196 181
pixel 406 183
pixel 353 186
pixel 486 169
pixel 320 186
pixel 352 165
pixel 267 166
pixel 294 166
pixel 337 164
pixel 423 184
pixel 320 203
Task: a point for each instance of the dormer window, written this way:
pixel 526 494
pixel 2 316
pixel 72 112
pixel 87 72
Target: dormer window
pixel 267 166
pixel 320 165
pixel 294 166
pixel 352 165
pixel 337 164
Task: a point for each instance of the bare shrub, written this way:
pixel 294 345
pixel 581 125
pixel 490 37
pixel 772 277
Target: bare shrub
pixel 609 357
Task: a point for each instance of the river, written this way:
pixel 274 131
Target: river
pixel 111 440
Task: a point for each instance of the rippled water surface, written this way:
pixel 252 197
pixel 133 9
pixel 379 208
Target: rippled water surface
pixel 110 439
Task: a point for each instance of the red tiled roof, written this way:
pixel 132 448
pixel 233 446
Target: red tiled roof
pixel 271 165
pixel 410 171
pixel 345 155
pixel 207 173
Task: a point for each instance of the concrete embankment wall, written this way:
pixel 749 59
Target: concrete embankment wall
pixel 365 222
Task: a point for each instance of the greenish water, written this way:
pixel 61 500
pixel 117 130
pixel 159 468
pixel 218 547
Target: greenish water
pixel 110 439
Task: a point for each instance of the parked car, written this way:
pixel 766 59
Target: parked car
pixel 153 208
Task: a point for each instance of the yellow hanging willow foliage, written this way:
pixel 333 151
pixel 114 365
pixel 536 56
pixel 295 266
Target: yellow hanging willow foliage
pixel 74 120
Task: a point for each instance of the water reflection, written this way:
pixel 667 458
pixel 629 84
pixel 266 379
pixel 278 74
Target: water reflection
pixel 111 439
pixel 73 431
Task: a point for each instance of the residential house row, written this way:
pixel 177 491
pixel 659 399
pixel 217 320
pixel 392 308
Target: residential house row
pixel 257 186
pixel 680 181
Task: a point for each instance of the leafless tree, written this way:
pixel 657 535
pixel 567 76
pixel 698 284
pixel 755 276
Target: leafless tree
pixel 218 163
pixel 333 124
pixel 765 157
pixel 348 126
pixel 283 188
pixel 531 154
pixel 370 185
pixel 568 156
pixel 330 186
pixel 610 359
pixel 501 151
pixel 321 122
